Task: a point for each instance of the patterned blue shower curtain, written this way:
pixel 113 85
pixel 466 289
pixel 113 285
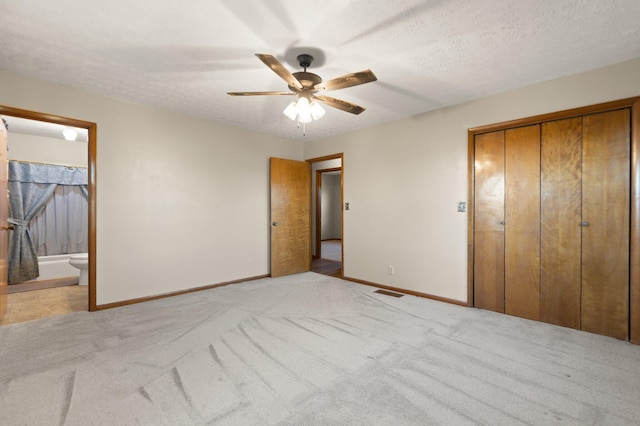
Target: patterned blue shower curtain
pixel 30 187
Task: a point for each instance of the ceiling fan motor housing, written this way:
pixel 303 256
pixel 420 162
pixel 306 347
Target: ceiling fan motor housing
pixel 307 79
pixel 305 60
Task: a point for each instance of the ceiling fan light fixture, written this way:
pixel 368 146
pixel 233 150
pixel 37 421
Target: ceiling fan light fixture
pixel 305 117
pixel 291 111
pixel 303 104
pixel 303 110
pixel 317 112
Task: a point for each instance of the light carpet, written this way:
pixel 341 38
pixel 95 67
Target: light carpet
pixel 310 350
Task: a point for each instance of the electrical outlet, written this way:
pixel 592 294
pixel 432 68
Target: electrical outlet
pixel 391 270
pixel 462 206
pixel 249 261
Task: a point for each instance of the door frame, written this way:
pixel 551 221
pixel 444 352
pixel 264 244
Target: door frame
pixel 92 129
pixel 318 160
pixel 634 232
pixel 4 216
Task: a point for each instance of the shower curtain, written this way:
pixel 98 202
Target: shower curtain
pixel 30 187
pixel 62 226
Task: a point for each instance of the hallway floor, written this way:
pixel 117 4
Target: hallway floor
pixel 37 304
pixel 327 267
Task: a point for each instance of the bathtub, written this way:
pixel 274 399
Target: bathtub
pixel 56 266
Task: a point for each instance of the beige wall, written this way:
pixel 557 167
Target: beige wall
pixel 43 149
pixel 331 207
pixel 404 180
pixel 182 202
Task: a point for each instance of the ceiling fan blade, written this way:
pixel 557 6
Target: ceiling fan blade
pixel 279 69
pixel 340 104
pixel 348 80
pixel 260 93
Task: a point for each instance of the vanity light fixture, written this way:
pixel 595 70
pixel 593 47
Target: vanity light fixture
pixel 70 133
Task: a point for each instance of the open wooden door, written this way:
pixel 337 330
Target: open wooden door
pixel 4 214
pixel 290 216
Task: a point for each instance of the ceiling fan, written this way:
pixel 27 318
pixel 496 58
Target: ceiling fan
pixel 307 86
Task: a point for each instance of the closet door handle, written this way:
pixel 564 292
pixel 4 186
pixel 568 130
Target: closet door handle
pixel 585 224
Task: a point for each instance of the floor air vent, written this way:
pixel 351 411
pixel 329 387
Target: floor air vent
pixel 389 293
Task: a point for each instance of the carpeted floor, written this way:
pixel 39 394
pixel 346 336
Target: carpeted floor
pixel 310 349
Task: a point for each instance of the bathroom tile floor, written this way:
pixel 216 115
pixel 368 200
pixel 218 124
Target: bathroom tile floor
pixel 32 305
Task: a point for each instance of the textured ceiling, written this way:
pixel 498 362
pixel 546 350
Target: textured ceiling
pixel 185 56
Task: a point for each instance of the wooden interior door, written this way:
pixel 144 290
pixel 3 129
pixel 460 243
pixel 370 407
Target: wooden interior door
pixel 522 222
pixel 605 219
pixel 4 214
pixel 561 213
pixel 290 183
pixel 488 264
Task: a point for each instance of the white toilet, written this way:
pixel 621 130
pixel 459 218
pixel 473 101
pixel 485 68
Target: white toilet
pixel 81 261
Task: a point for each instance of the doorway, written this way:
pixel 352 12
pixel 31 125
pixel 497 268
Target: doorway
pixel 52 296
pixel 327 223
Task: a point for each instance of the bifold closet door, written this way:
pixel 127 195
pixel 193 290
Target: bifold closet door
pixel 561 207
pixel 522 222
pixel 488 262
pixel 507 222
pixel 551 222
pixel 605 219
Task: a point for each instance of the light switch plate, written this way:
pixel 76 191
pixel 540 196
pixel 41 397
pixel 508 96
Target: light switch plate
pixel 462 206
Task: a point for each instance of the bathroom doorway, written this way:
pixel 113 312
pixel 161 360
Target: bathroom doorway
pixel 37 142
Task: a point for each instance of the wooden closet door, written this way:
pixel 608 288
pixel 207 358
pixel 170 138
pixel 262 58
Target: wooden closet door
pixel 561 208
pixel 488 262
pixel 522 227
pixel 605 207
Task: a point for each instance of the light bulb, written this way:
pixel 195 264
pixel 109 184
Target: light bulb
pixel 303 105
pixel 291 111
pixel 305 117
pixel 316 110
pixel 70 134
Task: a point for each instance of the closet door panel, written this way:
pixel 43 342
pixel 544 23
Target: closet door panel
pixel 605 206
pixel 522 228
pixel 488 264
pixel 561 206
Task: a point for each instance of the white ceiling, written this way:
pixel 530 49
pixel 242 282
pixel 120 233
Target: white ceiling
pixel 428 54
